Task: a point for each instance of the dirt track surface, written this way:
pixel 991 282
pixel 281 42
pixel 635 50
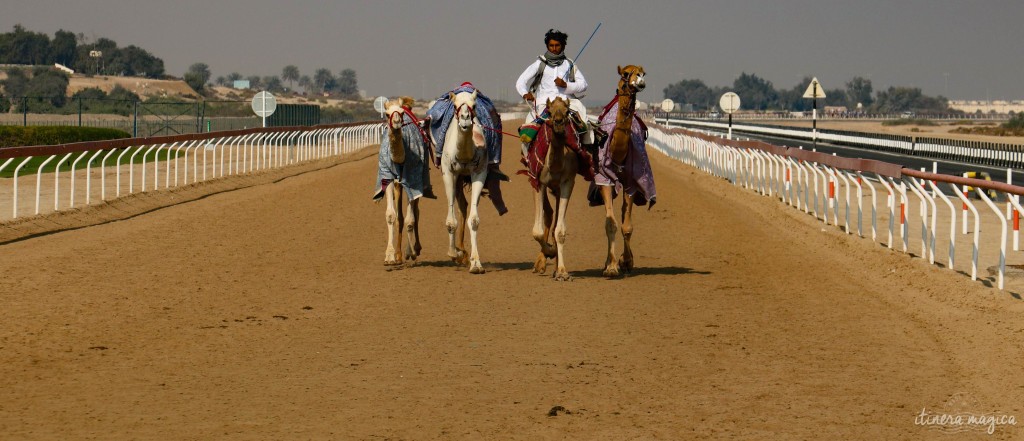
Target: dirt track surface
pixel 266 313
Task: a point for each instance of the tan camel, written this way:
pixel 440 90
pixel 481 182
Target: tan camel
pixel 397 221
pixel 557 175
pixel 631 81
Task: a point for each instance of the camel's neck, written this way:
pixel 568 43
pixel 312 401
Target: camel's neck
pixel 461 145
pixel 556 150
pixel 620 138
pixel 627 108
pixel 397 145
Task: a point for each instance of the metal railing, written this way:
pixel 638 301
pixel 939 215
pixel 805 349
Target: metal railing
pixel 127 166
pixel 821 184
pixel 976 152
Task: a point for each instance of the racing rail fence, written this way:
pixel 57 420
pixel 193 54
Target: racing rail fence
pixel 976 152
pixel 116 168
pixel 815 182
pixel 101 170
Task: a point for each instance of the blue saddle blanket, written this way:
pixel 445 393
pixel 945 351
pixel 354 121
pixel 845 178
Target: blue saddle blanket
pixel 443 111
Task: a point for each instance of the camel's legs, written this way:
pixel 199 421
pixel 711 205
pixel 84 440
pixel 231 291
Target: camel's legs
pixel 473 222
pixel 460 233
pixel 627 232
pixel 411 227
pixel 391 217
pixel 541 229
pixel 611 264
pixel 400 222
pixel 560 229
pixel 450 224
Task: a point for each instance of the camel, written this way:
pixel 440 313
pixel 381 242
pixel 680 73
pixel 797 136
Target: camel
pixel 557 175
pixel 624 164
pixel 404 148
pixel 464 159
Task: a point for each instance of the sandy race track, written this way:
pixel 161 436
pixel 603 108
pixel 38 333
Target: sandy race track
pixel 264 312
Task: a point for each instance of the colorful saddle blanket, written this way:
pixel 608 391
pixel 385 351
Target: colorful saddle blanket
pixel 414 173
pixel 443 111
pixel 634 175
pixel 538 151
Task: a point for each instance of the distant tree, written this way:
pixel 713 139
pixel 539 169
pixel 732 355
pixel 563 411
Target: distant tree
pixel 234 76
pixel 322 79
pixel 901 99
pixel 5 104
pixel 755 93
pixel 119 101
pixel 305 83
pixel 858 90
pixel 47 90
pixel 221 81
pixel 254 82
pixel 24 47
pixel 16 84
pixel 836 97
pixel 86 63
pixel 272 83
pixel 135 61
pixel 346 83
pixel 693 92
pixel 290 73
pixel 793 99
pixel 62 49
pixel 197 76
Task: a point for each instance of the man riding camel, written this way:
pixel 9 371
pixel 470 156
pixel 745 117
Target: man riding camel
pixel 551 76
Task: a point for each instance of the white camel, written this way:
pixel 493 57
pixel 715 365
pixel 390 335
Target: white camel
pixel 464 157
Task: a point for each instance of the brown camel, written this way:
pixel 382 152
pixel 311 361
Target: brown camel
pixel 631 81
pixel 557 175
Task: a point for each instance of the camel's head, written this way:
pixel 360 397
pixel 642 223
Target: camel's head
pixel 465 109
pixel 395 110
pixel 559 110
pixel 631 80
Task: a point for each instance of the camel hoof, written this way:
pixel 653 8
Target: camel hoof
pixel 611 272
pixel 540 265
pixel 476 268
pixel 626 262
pixel 562 276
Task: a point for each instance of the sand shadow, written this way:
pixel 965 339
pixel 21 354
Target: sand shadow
pixel 642 271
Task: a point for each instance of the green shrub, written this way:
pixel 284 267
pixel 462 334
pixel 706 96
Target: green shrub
pixel 16 136
pixel 909 121
pixel 1015 123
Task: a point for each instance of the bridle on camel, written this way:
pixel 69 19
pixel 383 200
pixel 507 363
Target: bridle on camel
pixel 414 120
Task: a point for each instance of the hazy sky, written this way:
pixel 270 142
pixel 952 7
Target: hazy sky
pixel 959 48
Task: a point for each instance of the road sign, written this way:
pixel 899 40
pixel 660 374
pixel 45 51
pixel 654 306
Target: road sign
pixel 378 104
pixel 264 104
pixel 814 90
pixel 730 102
pixel 668 106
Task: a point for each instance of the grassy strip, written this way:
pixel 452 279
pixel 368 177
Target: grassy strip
pixel 909 121
pixel 32 167
pixel 18 136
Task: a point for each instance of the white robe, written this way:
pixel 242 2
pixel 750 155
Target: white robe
pixel 547 88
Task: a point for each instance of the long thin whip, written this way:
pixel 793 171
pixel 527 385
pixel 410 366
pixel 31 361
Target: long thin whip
pixel 580 53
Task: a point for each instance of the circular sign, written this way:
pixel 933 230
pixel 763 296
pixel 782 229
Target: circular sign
pixel 378 104
pixel 668 105
pixel 730 102
pixel 264 104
